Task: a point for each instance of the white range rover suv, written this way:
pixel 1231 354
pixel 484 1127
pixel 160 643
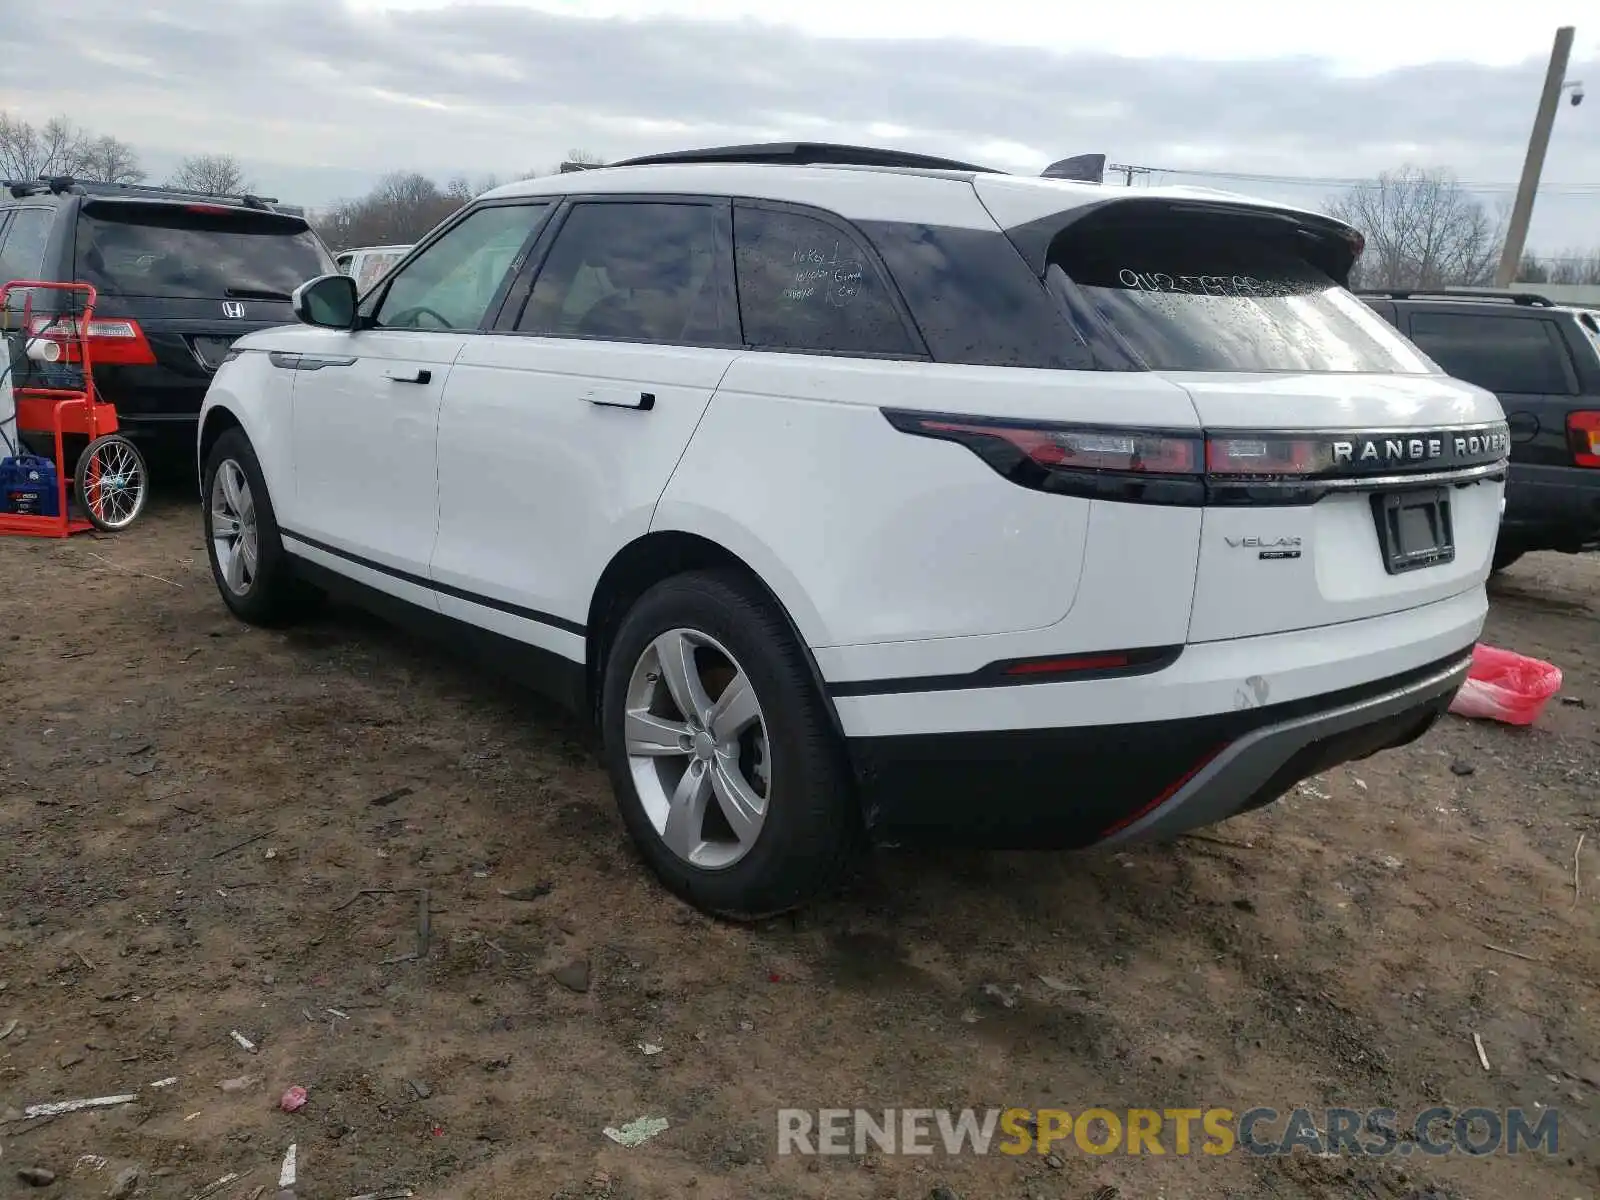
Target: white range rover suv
pixel 861 497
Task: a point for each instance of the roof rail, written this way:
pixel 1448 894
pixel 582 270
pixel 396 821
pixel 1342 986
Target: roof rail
pixel 803 154
pixel 1530 299
pixel 57 184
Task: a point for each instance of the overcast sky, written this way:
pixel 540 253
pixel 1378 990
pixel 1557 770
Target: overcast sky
pixel 319 97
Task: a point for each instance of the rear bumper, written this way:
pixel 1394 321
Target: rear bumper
pixel 1068 788
pixel 1552 508
pixel 154 399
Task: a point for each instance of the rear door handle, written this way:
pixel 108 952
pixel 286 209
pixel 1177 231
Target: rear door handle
pixel 418 376
pixel 644 402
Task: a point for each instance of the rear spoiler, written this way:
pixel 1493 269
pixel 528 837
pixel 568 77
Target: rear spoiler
pixel 1337 246
pixel 291 212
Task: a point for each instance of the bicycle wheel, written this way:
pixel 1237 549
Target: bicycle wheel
pixel 112 483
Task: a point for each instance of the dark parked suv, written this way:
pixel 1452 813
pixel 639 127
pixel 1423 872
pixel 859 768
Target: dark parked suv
pixel 1543 361
pixel 180 276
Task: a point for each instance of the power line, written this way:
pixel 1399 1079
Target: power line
pixel 1128 171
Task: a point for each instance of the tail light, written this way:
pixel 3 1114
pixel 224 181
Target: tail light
pixel 1583 436
pixel 1191 468
pixel 112 340
pixel 1155 466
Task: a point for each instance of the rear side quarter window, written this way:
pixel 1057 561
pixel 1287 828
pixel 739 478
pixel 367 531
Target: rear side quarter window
pixel 26 239
pixel 809 285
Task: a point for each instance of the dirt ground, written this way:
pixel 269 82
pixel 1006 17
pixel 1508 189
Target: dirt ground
pixel 191 809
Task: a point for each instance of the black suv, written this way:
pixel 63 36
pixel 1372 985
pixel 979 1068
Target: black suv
pixel 180 275
pixel 1543 361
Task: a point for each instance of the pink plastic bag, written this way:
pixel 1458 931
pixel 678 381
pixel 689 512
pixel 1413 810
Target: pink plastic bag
pixel 1503 686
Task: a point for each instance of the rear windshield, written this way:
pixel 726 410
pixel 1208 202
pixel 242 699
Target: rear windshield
pixel 1208 294
pixel 172 250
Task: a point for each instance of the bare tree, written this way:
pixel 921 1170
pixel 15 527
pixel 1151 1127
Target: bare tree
pixel 1423 230
pixel 110 160
pixel 214 174
pixel 399 210
pixel 31 151
pixel 1578 267
pixel 464 190
pixel 577 158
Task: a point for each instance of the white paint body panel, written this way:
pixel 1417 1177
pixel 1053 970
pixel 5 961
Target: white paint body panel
pixel 1014 200
pixel 895 556
pixel 365 442
pixel 1340 575
pixel 1211 678
pixel 540 485
pixel 887 538
pixel 856 195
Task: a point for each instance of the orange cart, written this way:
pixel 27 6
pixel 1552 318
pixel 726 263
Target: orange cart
pixel 57 398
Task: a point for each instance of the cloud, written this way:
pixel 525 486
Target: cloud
pixel 310 89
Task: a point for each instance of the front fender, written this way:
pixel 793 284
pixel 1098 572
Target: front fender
pixel 257 396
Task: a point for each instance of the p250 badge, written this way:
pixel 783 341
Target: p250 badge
pixel 1267 547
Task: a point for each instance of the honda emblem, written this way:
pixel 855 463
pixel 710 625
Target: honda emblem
pixel 234 309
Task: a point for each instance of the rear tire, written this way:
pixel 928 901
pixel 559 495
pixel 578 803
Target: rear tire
pixel 750 737
pixel 253 572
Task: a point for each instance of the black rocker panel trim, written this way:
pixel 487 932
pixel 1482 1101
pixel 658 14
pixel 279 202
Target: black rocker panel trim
pixel 552 675
pixel 505 606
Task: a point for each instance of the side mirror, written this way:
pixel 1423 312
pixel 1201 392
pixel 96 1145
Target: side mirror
pixel 328 301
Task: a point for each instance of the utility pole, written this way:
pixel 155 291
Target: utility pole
pixel 1533 165
pixel 1128 172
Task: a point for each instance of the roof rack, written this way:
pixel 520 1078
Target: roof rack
pixel 58 184
pixel 1531 299
pixel 804 154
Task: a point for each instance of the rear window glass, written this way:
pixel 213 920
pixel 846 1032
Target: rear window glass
pixel 1223 295
pixel 171 250
pixel 1508 353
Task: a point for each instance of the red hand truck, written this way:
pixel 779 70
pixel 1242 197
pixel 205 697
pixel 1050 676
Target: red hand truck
pixel 111 480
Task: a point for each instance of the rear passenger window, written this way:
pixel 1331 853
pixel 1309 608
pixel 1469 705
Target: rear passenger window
pixel 634 271
pixel 805 284
pixel 1503 354
pixel 22 254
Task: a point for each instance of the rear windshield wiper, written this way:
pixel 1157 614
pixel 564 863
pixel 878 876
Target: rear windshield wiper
pixel 256 294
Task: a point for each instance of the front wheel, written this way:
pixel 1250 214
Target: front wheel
pixel 727 771
pixel 112 482
pixel 252 571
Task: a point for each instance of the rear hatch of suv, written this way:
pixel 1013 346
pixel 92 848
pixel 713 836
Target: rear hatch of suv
pixel 179 281
pixel 1345 476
